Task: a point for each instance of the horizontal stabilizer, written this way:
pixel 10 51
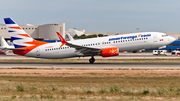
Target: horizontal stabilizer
pixel 13 49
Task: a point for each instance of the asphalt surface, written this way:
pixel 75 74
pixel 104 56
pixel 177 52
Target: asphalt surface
pixel 91 66
pixel 95 65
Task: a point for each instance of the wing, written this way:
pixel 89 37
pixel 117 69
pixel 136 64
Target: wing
pixel 80 50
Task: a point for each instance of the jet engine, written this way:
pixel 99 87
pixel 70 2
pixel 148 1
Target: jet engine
pixel 114 51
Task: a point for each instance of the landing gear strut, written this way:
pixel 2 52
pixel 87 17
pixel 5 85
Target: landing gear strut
pixel 91 60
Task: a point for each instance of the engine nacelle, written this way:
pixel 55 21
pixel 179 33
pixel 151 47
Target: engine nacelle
pixel 114 51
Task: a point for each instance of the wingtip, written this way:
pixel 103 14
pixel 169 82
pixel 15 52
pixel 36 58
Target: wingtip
pixel 57 32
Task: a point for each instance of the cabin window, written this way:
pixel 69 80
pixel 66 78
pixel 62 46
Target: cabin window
pixel 175 44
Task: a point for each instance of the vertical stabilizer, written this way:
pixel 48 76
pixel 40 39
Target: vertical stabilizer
pixel 20 38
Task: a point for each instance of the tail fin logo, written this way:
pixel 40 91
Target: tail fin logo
pixel 16 27
pixel 61 39
pixel 20 38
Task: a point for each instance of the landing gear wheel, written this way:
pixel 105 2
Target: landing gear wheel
pixel 91 60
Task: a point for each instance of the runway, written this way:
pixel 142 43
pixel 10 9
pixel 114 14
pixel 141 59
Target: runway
pixel 128 66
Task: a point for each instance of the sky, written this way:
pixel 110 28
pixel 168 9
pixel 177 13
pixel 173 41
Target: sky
pixel 96 15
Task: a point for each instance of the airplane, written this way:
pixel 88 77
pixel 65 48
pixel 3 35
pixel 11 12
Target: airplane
pixel 102 46
pixel 4 45
pixel 70 37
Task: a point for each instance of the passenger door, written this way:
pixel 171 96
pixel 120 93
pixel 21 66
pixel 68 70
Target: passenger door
pixel 155 38
pixel 38 52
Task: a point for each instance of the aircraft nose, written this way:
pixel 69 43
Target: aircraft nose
pixel 171 39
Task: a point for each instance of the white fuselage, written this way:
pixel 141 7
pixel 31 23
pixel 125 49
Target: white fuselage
pixel 125 42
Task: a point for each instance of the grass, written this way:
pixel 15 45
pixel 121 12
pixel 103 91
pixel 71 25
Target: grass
pixel 114 89
pixel 145 92
pixel 20 88
pixel 95 87
pixel 103 90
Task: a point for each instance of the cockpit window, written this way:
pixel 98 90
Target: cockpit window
pixel 164 35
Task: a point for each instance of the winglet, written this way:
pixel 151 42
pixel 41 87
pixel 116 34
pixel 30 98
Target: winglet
pixel 61 39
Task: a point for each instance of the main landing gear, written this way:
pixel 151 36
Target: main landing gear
pixel 91 60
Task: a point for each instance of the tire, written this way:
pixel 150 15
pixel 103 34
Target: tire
pixel 91 60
